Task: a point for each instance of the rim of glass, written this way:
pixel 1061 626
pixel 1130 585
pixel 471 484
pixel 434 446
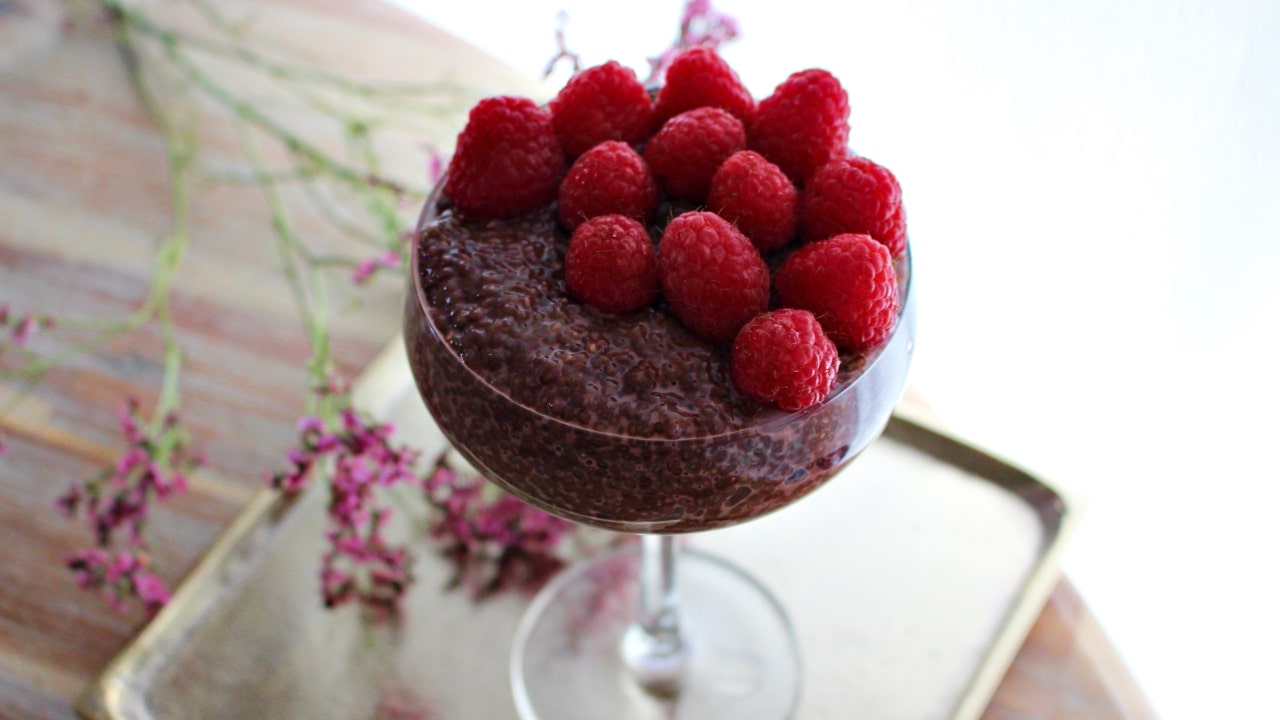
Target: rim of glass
pixel 776 420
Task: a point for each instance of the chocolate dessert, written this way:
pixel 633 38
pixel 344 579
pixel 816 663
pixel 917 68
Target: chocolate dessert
pixel 679 387
pixel 624 422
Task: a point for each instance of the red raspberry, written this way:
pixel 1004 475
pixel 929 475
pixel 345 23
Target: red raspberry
pixel 610 178
pixel 507 160
pixel 698 77
pixel 854 195
pixel 848 282
pixel 755 195
pixel 712 276
pixel 783 358
pixel 605 102
pixel 688 150
pixel 610 264
pixel 804 123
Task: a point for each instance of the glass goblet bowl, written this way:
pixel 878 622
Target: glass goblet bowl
pixel 649 631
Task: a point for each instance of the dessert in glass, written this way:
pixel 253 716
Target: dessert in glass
pixel 629 422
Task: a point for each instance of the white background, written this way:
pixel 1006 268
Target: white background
pixel 1092 192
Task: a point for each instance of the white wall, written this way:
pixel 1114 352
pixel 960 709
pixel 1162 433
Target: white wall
pixel 1092 190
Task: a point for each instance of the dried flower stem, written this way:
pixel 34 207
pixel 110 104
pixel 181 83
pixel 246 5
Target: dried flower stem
pixel 173 47
pixel 167 75
pixel 700 26
pixel 562 48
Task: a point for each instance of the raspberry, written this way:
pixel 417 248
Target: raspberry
pixel 698 77
pixel 685 154
pixel 605 102
pixel 712 276
pixel 854 195
pixel 610 178
pixel 848 282
pixel 755 195
pixel 802 124
pixel 610 264
pixel 784 359
pixel 507 160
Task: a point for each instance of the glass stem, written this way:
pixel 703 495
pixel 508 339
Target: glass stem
pixel 653 647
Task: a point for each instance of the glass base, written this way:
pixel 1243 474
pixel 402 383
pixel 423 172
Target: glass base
pixel 743 661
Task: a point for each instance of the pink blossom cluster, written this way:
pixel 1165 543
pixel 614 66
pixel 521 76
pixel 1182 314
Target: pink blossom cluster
pixel 495 540
pixel 365 269
pixel 21 328
pixel 437 161
pixel 155 465
pixel 120 577
pixel 360 564
pixel 700 26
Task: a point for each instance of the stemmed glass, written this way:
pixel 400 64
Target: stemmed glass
pixel 658 630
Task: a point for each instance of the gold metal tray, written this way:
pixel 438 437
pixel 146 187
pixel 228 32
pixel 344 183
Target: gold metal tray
pixel 912 579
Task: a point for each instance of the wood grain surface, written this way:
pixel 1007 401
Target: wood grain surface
pixel 83 203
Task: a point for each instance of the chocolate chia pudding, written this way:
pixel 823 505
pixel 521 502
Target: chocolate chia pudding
pixel 623 422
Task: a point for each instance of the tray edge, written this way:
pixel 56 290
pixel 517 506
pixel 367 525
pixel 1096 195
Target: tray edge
pixel 1037 587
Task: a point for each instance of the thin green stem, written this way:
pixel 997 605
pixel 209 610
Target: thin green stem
pixel 305 283
pixel 292 142
pixel 286 70
pixel 325 206
pixel 180 148
pixel 239 177
pixel 321 401
pixel 287 245
pixel 38 369
pixel 378 203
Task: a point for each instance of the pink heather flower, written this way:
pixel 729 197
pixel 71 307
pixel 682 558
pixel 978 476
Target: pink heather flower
pixel 700 26
pixel 22 327
pixel 155 465
pixel 494 540
pixel 25 328
pixel 310 425
pixel 494 544
pixel 437 161
pixel 88 566
pixel 69 502
pixel 133 457
pixel 127 417
pixel 360 564
pixel 388 260
pixel 119 577
pixel 335 385
pixel 151 590
pixel 364 270
pixel 4 447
